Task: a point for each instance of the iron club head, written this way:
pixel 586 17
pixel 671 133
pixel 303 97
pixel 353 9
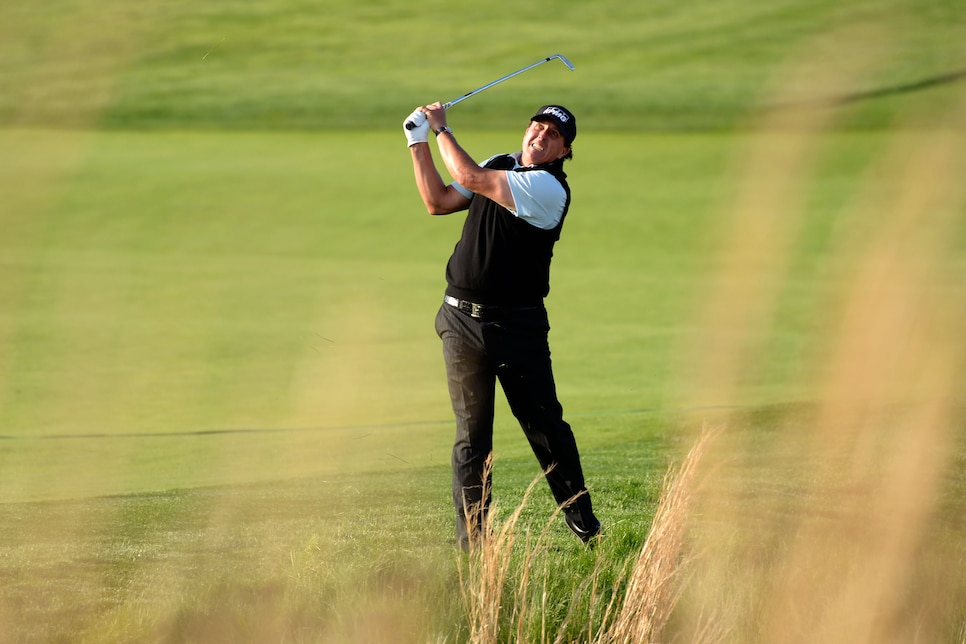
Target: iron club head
pixel 564 60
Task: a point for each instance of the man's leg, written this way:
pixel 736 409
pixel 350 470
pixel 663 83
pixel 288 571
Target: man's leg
pixel 472 388
pixel 526 374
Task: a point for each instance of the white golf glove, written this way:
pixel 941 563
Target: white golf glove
pixel 420 128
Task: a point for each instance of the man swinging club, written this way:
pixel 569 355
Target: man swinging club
pixel 493 322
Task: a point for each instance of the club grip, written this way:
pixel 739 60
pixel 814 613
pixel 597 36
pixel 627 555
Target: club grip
pixel 410 125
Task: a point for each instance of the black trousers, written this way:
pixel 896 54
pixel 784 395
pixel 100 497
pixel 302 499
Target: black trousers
pixel 509 345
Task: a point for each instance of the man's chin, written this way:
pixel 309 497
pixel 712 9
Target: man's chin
pixel 533 159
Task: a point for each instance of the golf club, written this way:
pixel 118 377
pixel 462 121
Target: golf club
pixel 410 125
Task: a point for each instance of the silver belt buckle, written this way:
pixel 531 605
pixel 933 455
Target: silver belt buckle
pixel 470 308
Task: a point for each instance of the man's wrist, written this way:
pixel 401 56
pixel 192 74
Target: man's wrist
pixel 445 128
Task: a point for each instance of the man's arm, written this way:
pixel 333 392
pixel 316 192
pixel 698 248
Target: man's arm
pixel 439 198
pixel 463 169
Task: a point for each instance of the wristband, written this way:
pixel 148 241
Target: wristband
pixel 445 128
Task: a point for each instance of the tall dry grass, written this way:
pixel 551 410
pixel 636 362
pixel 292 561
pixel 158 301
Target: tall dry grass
pixel 659 574
pixel 842 524
pixel 492 578
pixel 498 576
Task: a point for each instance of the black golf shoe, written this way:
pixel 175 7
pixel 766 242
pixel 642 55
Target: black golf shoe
pixel 585 531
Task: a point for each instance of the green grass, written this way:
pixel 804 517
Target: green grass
pixel 164 293
pixel 295 64
pixel 222 404
pixel 184 352
pixel 223 412
pixel 330 556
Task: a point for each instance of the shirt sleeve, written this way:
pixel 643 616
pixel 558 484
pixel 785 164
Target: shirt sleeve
pixel 463 191
pixel 538 196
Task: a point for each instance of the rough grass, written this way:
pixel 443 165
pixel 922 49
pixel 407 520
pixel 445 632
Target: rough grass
pixel 510 579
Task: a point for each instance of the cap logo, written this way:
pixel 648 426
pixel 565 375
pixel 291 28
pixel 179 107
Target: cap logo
pixel 560 114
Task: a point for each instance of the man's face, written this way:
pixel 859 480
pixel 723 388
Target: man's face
pixel 543 143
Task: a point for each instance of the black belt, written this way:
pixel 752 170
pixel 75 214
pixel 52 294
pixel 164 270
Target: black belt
pixel 479 310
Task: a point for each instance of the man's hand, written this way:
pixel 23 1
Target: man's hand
pixel 436 114
pixel 416 128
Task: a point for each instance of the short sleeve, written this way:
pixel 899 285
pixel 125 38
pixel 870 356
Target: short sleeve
pixel 539 198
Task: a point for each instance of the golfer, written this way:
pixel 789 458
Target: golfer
pixel 493 322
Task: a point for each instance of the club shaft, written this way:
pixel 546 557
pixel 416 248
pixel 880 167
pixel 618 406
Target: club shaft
pixel 410 125
pixel 496 82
